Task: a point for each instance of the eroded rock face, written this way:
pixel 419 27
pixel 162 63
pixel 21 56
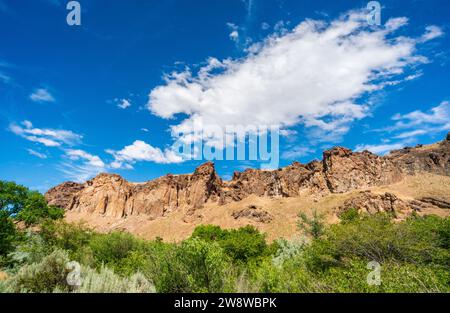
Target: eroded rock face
pixel 254 213
pixel 111 195
pixel 341 170
pixel 345 170
pixel 367 202
pixel 433 159
pixel 62 195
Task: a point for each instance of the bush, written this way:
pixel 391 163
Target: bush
pixel 349 216
pixel 111 249
pixel 41 277
pixel 74 238
pixel 311 226
pixel 206 265
pixel 8 234
pixel 244 244
pixel 106 281
pixel 209 233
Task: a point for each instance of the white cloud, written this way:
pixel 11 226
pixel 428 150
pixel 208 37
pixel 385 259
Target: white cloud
pixel 432 32
pixel 45 136
pixel 142 151
pixel 438 115
pixel 37 154
pixel 380 149
pixel 90 159
pixel 312 75
pixel 296 152
pixel 4 78
pixel 79 172
pixel 124 104
pixel 411 125
pixel 265 26
pixel 42 95
pixel 234 34
pixel 412 133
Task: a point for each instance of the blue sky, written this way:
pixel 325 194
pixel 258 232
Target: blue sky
pixel 109 95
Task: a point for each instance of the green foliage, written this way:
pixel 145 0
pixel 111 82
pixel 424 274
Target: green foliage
pixel 112 249
pixel 206 265
pixel 416 241
pixel 209 233
pixel 106 281
pixel 349 216
pixel 35 209
pixel 24 205
pixel 8 234
pixel 414 255
pixel 73 238
pixel 311 226
pixel 41 277
pixel 242 245
pixel 12 197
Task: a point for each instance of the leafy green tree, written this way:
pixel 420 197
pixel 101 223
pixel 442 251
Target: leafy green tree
pixel 209 232
pixel 8 234
pixel 12 197
pixel 244 243
pixel 313 226
pixel 24 205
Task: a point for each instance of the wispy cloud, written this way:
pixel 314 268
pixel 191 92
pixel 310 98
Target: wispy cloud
pixel 90 159
pixel 311 76
pixel 124 104
pixel 42 95
pixel 78 172
pixel 142 151
pixel 408 127
pixel 296 152
pixel 37 154
pixel 46 136
pixel 432 32
pixel 381 148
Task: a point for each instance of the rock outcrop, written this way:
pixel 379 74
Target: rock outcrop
pixel 432 158
pixel 340 171
pixel 253 213
pixel 367 202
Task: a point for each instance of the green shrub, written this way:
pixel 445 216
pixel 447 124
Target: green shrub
pixel 8 234
pixel 209 233
pixel 244 244
pixel 313 226
pixel 350 215
pixel 41 277
pixel 74 238
pixel 106 281
pixel 111 249
pixel 206 265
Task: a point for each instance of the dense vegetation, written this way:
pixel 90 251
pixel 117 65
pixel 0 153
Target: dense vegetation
pixel 37 250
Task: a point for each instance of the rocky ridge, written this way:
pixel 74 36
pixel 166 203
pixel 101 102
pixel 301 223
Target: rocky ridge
pixel 341 170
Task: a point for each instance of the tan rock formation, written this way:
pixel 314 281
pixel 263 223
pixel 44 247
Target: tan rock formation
pixel 367 202
pixel 340 171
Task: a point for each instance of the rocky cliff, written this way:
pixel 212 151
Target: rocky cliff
pixel 340 171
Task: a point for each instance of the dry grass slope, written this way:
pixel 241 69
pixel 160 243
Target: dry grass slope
pixel 176 227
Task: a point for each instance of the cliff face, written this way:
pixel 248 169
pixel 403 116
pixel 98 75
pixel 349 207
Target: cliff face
pixel 433 158
pixel 341 170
